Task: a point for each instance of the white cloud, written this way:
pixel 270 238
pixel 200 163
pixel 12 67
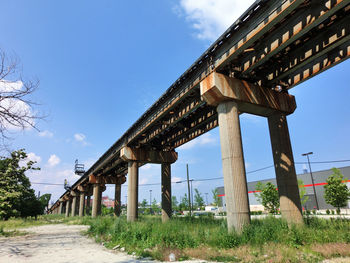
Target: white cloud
pixel 80 137
pixel 14 107
pixel 30 157
pixel 205 139
pixel 46 133
pixel 33 157
pixel 210 18
pixel 10 86
pixel 143 181
pixel 148 166
pixel 53 160
pixel 175 179
pixel 55 176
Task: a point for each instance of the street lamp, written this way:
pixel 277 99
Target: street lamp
pixel 312 178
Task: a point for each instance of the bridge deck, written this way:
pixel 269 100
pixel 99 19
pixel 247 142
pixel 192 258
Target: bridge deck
pixel 275 44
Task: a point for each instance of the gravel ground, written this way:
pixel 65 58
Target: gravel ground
pixel 58 244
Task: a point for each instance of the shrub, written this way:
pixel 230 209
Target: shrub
pixel 328 212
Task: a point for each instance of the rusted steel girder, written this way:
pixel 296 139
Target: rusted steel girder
pixel 147 156
pixel 295 27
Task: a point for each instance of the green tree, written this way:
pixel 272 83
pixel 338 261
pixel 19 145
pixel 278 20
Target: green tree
pixel 143 206
pixel 44 200
pixel 198 199
pixel 174 202
pixel 144 203
pixel 105 211
pixel 302 192
pixel 154 206
pixel 268 196
pixel 336 192
pixel 16 196
pixel 184 203
pixel 216 197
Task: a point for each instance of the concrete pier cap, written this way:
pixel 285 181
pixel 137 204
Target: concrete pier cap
pixel 147 156
pixel 217 88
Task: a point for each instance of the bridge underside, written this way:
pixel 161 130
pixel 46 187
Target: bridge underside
pixel 274 46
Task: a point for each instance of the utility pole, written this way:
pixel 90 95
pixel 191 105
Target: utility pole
pixel 189 191
pixel 312 178
pixel 150 201
pixel 206 197
pixel 191 195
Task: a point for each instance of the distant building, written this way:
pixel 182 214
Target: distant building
pixel 210 208
pixel 107 202
pixel 320 178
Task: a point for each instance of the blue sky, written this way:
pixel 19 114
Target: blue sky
pixel 101 64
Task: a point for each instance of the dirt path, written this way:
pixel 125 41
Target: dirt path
pixel 57 244
pixel 65 244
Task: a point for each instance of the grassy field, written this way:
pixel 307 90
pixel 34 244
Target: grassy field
pixel 267 240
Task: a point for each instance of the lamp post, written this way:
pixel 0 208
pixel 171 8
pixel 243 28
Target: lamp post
pixel 312 178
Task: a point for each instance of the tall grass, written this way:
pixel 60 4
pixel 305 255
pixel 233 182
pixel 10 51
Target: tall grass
pixel 181 233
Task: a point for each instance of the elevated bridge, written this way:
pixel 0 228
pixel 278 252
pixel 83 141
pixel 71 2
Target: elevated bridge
pixel 274 46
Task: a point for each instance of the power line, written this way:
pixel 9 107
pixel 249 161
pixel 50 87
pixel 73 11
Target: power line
pixel 211 179
pixel 338 161
pixel 260 169
pixel 47 183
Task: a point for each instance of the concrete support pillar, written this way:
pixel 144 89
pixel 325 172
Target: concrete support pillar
pixel 88 205
pixel 81 204
pixel 117 200
pixel 74 205
pixel 60 210
pixel 68 204
pixel 235 183
pixel 133 184
pixel 96 203
pixel 166 192
pixel 286 178
pixel 99 208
